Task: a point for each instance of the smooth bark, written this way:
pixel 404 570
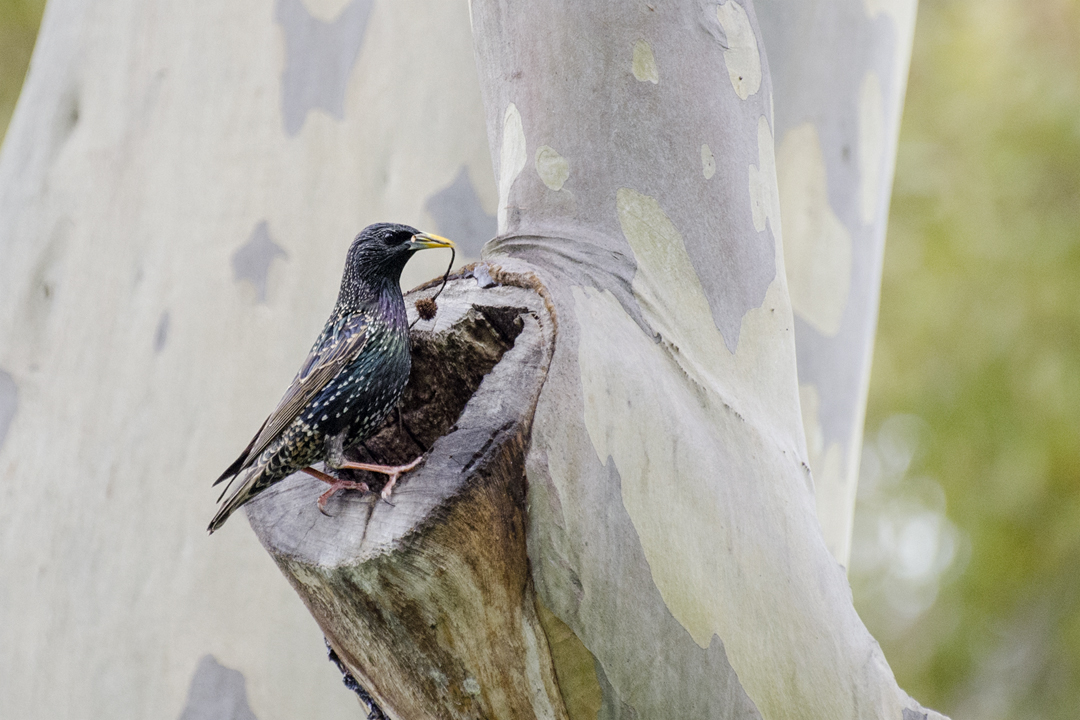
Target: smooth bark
pixel 171 242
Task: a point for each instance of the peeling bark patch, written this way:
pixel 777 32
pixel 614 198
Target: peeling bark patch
pixel 319 57
pixel 512 159
pixel 898 10
pixel 538 666
pixel 9 403
pixel 459 215
pixel 817 245
pixel 902 15
pixel 614 706
pixel 871 144
pixel 666 284
pixel 217 693
pixel 741 54
pixel 708 162
pixel 325 10
pixel 630 399
pixel 656 671
pixel 161 334
pixel 764 194
pixel 252 261
pixel 834 493
pixel 730 502
pixel 644 65
pixel 575 667
pixel 552 167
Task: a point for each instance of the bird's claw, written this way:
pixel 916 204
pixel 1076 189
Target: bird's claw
pixel 392 472
pixel 336 485
pixel 388 488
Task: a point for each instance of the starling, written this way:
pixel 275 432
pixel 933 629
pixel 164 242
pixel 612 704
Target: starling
pixel 351 380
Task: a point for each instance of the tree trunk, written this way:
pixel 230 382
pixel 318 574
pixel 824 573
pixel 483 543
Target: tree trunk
pixel 175 208
pixel 839 71
pixel 673 540
pixel 616 516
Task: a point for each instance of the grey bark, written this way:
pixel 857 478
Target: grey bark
pixel 839 71
pixel 169 248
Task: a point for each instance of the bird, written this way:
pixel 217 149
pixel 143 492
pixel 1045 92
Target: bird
pixel 352 378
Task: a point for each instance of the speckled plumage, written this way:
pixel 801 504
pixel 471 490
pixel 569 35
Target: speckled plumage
pixel 352 378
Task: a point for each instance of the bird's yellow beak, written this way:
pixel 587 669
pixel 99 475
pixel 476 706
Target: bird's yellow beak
pixel 422 241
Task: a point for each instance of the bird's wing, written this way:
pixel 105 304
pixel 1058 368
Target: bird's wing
pixel 336 347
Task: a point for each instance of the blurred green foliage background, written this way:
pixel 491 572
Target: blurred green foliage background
pixel 967 551
pixel 975 390
pixel 19 20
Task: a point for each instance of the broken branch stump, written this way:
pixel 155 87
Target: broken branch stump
pixel 427 599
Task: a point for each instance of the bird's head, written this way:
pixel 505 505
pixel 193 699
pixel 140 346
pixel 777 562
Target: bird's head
pixel 378 255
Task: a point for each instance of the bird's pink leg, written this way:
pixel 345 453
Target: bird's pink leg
pixel 336 484
pixel 393 472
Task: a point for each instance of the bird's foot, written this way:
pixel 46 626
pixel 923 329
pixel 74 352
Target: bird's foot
pixel 392 472
pixel 336 485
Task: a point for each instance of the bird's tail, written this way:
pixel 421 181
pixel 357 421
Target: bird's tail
pixel 251 485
